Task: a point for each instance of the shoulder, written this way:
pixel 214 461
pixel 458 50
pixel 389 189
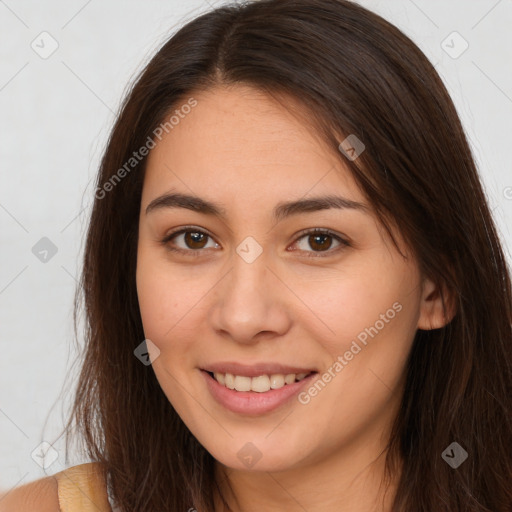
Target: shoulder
pixel 80 487
pixel 38 496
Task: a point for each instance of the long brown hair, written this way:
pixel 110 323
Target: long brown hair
pixel 353 73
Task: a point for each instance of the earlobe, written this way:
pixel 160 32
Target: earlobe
pixel 432 313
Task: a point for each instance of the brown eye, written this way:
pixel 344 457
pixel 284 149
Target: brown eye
pixel 195 239
pixel 191 241
pixel 320 240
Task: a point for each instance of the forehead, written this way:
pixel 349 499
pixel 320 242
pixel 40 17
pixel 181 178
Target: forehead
pixel 238 142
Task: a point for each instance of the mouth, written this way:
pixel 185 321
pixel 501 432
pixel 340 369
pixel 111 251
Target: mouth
pixel 258 394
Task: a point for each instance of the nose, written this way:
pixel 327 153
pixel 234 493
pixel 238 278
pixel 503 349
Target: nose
pixel 249 303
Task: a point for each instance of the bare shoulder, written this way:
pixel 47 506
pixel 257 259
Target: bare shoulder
pixel 38 496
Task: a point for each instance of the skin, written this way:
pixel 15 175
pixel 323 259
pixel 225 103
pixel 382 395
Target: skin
pixel 242 149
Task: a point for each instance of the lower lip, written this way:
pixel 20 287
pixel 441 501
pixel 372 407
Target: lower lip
pixel 252 402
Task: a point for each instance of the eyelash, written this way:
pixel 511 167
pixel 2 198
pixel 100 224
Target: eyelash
pixel 197 252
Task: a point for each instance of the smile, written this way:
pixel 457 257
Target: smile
pixel 255 395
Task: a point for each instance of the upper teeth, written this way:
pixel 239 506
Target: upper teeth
pixel 259 384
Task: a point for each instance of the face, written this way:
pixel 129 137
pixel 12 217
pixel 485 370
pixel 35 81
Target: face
pixel 240 286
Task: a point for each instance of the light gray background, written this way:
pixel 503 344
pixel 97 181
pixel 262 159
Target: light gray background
pixel 56 114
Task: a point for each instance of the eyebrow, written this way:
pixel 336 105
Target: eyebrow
pixel 281 211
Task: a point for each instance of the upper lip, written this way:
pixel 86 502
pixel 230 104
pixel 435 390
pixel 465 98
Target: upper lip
pixel 255 370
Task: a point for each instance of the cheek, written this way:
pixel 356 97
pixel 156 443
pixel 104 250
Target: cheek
pixel 158 297
pixel 373 323
pixel 163 312
pixel 345 304
pixel 156 303
pixel 368 317
pixel 171 302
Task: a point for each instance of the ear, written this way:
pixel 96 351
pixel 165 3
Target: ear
pixel 432 315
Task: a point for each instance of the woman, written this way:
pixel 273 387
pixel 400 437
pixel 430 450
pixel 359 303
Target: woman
pixel 295 293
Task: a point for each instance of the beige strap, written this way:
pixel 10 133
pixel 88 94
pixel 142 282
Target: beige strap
pixel 82 488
